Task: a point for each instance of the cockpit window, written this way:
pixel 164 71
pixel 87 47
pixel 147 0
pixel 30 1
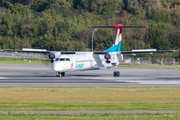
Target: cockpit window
pixel 62 59
pixel 67 59
pixel 56 59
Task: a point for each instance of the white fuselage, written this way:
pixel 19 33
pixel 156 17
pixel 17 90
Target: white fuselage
pixel 79 61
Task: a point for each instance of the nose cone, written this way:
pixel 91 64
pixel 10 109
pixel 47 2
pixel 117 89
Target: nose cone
pixel 61 66
pixel 58 67
pixel 55 66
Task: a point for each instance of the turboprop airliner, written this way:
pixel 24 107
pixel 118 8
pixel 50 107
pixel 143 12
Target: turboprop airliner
pixel 64 61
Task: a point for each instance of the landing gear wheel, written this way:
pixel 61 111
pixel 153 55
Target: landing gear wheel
pixel 63 73
pixel 57 75
pixel 116 74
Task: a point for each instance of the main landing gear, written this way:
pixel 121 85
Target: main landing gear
pixel 59 74
pixel 116 73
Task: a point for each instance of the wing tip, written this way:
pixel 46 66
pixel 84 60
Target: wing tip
pixel 176 50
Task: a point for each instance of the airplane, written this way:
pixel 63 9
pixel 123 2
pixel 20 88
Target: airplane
pixel 64 61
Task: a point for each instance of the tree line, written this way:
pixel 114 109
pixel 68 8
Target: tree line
pixel 66 24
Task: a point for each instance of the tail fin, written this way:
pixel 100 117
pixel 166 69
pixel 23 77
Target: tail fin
pixel 117 40
pixel 116 47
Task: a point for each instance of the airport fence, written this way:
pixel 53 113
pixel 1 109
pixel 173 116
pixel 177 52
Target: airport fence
pixel 22 55
pixel 151 61
pixel 126 60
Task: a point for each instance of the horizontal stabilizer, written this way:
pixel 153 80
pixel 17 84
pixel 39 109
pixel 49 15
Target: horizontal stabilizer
pixel 103 26
pixel 135 27
pixel 119 26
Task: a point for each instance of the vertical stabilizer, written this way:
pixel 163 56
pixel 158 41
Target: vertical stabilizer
pixel 118 36
pixel 117 40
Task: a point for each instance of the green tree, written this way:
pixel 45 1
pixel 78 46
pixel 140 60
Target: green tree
pixel 81 47
pixel 158 37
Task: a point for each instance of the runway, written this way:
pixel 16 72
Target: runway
pixel 39 75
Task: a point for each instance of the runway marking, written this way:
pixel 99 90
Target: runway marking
pixel 152 73
pixel 174 82
pixel 136 69
pixel 140 80
pixel 3 78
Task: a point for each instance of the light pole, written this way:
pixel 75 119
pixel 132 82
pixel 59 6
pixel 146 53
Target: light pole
pixel 92 38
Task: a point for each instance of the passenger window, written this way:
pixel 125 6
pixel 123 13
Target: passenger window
pixel 67 59
pixel 56 59
pixel 62 59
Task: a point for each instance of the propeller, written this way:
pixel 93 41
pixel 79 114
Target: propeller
pixel 47 62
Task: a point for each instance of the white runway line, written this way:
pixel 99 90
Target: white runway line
pixel 3 78
pixel 139 80
pixel 158 82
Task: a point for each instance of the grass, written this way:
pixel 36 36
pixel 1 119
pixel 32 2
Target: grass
pixel 150 66
pixel 22 61
pixel 89 98
pixel 109 116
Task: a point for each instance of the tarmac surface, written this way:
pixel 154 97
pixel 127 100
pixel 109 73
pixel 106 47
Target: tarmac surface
pixel 40 75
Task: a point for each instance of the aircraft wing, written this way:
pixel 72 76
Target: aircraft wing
pixel 37 51
pixel 98 52
pixel 147 51
pixel 140 51
pixel 28 51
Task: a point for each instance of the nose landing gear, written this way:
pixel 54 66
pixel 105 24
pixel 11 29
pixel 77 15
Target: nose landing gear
pixel 59 74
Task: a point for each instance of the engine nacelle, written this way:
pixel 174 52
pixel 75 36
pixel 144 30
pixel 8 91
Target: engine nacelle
pixel 52 56
pixel 107 56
